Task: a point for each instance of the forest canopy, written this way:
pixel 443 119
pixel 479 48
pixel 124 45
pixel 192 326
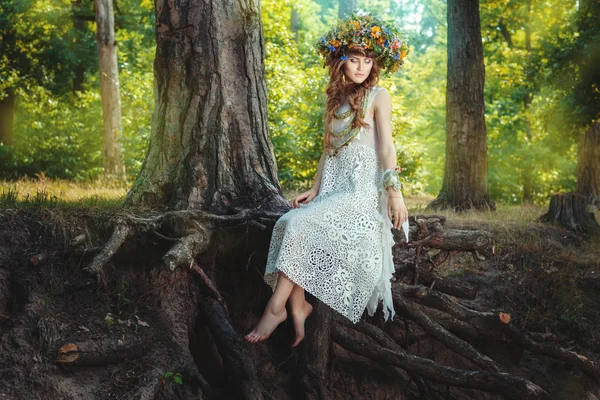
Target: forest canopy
pixel 535 109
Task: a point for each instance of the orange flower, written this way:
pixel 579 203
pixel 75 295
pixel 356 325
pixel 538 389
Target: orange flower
pixel 356 24
pixel 335 43
pixel 403 53
pixel 375 31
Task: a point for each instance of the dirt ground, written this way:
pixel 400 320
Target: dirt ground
pixel 141 328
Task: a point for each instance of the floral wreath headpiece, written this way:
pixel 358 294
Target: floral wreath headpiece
pixel 365 32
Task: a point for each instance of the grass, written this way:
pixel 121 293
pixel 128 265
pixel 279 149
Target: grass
pixel 45 192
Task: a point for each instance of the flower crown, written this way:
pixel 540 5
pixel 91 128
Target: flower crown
pixel 365 32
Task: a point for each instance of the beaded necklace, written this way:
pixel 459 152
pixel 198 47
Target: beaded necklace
pixel 350 114
pixel 353 128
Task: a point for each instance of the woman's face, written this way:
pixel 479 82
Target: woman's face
pixel 357 68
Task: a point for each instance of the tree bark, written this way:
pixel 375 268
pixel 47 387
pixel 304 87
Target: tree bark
pixel 7 116
pixel 78 27
pixel 588 165
pixel 209 147
pixel 528 170
pixel 109 88
pixel 465 183
pixel 346 8
pixel 571 211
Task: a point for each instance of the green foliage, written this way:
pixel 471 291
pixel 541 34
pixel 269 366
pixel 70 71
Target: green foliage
pixel 537 99
pixel 57 131
pixel 295 89
pixel 171 377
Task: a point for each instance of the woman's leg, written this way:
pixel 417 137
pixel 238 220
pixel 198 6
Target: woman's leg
pixel 274 313
pixel 300 309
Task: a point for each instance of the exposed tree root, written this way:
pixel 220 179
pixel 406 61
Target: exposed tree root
pixel 502 383
pixel 437 331
pixel 120 234
pixel 238 360
pixel 439 316
pixel 316 350
pixel 150 386
pixel 187 239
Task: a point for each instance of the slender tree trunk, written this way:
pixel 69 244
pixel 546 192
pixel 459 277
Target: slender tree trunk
pixel 209 147
pixel 465 177
pixel 78 27
pixel 528 170
pixel 109 88
pixel 588 165
pixel 294 22
pixel 346 7
pixel 7 116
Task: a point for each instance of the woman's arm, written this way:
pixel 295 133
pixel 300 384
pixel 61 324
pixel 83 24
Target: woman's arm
pixel 382 106
pixel 306 197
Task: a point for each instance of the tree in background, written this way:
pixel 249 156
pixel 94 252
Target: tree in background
pixel 577 78
pixel 34 50
pixel 109 89
pixel 465 182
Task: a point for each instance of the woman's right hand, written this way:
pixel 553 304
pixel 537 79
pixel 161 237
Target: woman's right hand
pixel 304 198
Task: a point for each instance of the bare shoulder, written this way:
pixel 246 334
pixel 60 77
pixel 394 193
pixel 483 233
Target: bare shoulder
pixel 382 99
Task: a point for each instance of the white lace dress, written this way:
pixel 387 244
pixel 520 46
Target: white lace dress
pixel 339 246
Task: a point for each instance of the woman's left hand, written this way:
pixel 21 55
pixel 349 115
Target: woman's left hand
pixel 397 211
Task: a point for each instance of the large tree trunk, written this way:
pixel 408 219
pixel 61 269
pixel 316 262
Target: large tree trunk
pixel 209 147
pixel 575 210
pixel 7 116
pixel 109 89
pixel 588 165
pixel 465 177
pixel 346 8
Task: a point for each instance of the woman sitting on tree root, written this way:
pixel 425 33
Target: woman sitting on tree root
pixel 336 242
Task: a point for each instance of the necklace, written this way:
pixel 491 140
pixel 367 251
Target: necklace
pixel 353 128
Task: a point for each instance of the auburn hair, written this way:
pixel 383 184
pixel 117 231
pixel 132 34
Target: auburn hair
pixel 340 89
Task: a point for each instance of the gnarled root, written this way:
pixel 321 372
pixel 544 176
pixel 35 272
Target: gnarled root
pixel 502 383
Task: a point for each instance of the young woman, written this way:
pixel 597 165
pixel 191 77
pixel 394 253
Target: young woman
pixel 336 242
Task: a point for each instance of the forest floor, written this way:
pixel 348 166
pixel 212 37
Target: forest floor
pixel 546 277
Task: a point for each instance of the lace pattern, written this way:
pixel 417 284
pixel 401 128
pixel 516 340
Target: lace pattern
pixel 339 246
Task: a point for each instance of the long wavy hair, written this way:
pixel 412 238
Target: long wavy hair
pixel 341 88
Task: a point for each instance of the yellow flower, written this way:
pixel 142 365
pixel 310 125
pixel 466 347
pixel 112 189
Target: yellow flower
pixel 356 24
pixel 335 43
pixel 375 31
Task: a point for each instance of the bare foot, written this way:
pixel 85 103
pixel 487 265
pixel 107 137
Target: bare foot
pixel 267 324
pixel 299 318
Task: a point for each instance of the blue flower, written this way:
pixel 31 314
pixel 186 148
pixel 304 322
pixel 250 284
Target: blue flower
pixel 343 58
pixel 397 56
pixel 331 48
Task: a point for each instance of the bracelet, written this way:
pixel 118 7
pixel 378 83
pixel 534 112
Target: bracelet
pixel 390 179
